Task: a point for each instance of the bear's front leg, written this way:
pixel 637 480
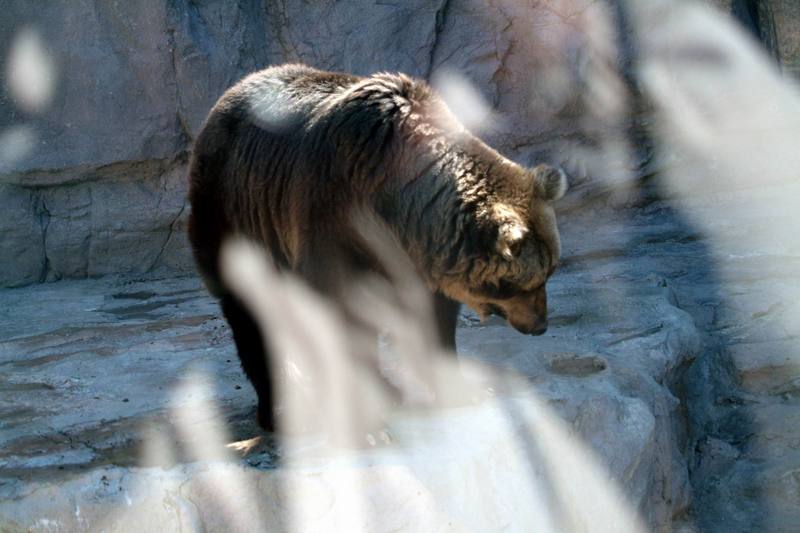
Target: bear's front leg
pixel 446 312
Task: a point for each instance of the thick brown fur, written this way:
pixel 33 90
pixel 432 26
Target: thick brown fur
pixel 289 153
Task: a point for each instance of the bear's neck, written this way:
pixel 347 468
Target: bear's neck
pixel 436 215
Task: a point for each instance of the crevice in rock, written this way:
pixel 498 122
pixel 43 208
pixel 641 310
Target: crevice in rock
pixel 280 22
pixel 169 237
pixel 714 425
pixel 179 161
pixel 90 237
pixel 43 216
pixel 441 14
pixel 501 73
pixel 714 420
pixel 180 112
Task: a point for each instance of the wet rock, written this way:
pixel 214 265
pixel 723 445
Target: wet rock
pixel 572 364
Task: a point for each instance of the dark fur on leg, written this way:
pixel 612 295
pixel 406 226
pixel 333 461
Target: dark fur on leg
pixel 253 356
pixel 446 312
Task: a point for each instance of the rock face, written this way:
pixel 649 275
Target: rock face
pixel 101 101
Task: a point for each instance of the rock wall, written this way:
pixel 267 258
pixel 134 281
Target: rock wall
pixel 102 100
pixel 95 172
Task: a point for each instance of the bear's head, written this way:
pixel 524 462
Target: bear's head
pixel 481 228
pixel 519 252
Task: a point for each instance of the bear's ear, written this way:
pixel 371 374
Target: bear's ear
pixel 549 183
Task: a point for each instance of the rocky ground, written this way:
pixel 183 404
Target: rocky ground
pixel 679 371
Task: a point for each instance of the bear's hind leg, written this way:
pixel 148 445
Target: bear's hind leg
pixel 253 356
pixel 446 311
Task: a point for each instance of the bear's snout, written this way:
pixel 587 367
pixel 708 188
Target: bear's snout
pixel 539 328
pixel 528 313
pixel 536 328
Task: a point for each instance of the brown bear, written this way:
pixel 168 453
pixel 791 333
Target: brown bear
pixel 288 153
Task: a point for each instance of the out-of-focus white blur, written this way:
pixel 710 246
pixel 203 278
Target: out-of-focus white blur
pixel 16 142
pixel 30 72
pixel 727 123
pixel 464 100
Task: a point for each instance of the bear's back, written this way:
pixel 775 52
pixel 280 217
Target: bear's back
pixel 287 153
pixel 279 99
pixel 249 171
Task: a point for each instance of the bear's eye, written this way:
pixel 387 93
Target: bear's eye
pixel 515 247
pixel 495 310
pixel 502 290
